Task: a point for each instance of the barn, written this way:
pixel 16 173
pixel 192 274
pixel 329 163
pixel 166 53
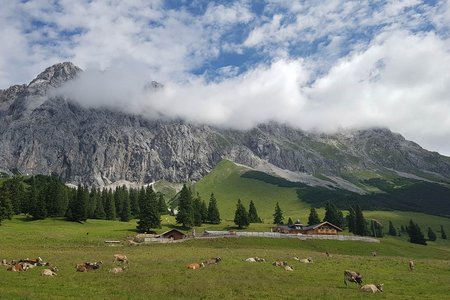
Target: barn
pixel 173 234
pixel 325 228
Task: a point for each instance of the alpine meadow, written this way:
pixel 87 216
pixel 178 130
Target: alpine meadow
pixel 224 149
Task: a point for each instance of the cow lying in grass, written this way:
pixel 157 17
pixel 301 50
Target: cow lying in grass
pixel 374 288
pixel 195 266
pixel 352 276
pixel 280 263
pixel 88 266
pixel 118 270
pixel 255 259
pixel 212 261
pixel 307 260
pixel 49 272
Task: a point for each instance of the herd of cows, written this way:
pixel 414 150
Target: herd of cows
pixel 25 264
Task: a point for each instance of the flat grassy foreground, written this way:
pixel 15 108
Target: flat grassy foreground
pixel 158 271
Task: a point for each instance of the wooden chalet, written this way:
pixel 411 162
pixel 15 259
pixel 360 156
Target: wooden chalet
pixel 322 228
pixel 174 234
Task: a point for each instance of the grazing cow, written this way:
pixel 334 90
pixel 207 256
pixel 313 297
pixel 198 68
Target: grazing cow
pixel 306 260
pixel 411 265
pixel 296 258
pixel 280 263
pixel 288 268
pixel 374 288
pixel 49 272
pixel 120 258
pixel 374 253
pixel 212 261
pixel 352 276
pixel 255 259
pixel 195 266
pixel 118 270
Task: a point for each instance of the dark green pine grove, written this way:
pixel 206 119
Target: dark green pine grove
pixel 313 217
pixel 213 211
pixel 241 216
pixel 431 235
pixel 253 213
pixel 415 234
pixel 149 213
pixel 185 215
pixel 333 215
pixel 392 231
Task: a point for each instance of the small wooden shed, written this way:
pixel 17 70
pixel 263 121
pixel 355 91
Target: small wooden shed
pixel 174 234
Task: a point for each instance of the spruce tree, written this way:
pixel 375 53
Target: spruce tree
pixel 360 222
pixel 290 222
pixel 278 215
pixel 110 206
pixel 313 218
pixel 78 205
pixel 204 212
pixel 162 206
pixel 213 211
pixel 149 216
pixel 134 202
pixel 443 234
pixel 6 208
pixel 99 212
pixel 185 215
pixel 333 215
pixel 351 220
pixel 392 230
pixel 415 234
pixel 39 210
pixel 125 214
pixel 431 235
pixel 241 215
pixel 198 219
pixel 253 214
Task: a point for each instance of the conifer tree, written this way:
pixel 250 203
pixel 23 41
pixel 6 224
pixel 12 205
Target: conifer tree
pixel 134 202
pixel 213 211
pixel 241 215
pixel 99 212
pixel 39 210
pixel 198 219
pixel 110 206
pixel 333 215
pixel 6 208
pixel 78 205
pixel 360 222
pixel 443 234
pixel 253 213
pixel 278 215
pixel 431 235
pixel 415 234
pixel 290 222
pixel 313 218
pixel 204 212
pixel 392 230
pixel 351 220
pixel 185 215
pixel 162 206
pixel 125 214
pixel 149 216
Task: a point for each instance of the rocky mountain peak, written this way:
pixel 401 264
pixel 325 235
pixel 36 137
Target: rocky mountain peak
pixel 56 75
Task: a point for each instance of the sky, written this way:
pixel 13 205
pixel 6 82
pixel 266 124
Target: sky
pixel 314 65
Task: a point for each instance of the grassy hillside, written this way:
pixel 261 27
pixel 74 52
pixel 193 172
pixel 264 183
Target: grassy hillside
pixel 228 185
pixel 159 272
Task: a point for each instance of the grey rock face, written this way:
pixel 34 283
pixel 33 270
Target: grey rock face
pixel 96 147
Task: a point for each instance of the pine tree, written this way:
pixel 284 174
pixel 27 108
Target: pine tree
pixel 290 222
pixel 149 216
pixel 99 212
pixel 162 206
pixel 204 212
pixel 241 215
pixel 360 222
pixel 213 211
pixel 443 234
pixel 198 220
pixel 415 234
pixel 125 214
pixel 278 215
pixel 6 208
pixel 431 235
pixel 78 205
pixel 110 206
pixel 39 210
pixel 185 214
pixel 402 229
pixel 333 215
pixel 351 220
pixel 392 230
pixel 313 218
pixel 253 214
pixel 134 202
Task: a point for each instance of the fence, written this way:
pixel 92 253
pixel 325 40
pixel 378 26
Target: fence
pixel 292 236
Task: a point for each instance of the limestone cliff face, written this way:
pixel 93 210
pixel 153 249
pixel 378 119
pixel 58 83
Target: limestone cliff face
pixel 42 135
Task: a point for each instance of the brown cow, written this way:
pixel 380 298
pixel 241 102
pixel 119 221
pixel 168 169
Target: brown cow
pixel 88 266
pixel 411 265
pixel 16 268
pixel 195 266
pixel 279 263
pixel 120 258
pixel 212 261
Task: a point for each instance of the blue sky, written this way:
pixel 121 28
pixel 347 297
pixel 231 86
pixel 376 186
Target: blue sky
pixel 355 64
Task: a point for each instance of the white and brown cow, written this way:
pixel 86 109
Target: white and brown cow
pixel 212 261
pixel 195 266
pixel 372 288
pixel 411 265
pixel 49 272
pixel 120 258
pixel 352 276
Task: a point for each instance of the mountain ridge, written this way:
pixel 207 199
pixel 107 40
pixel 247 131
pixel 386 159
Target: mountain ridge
pixel 54 135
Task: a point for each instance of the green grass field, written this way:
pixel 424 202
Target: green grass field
pixel 157 271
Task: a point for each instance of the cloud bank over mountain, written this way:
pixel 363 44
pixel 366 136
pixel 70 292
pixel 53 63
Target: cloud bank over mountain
pixel 321 66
